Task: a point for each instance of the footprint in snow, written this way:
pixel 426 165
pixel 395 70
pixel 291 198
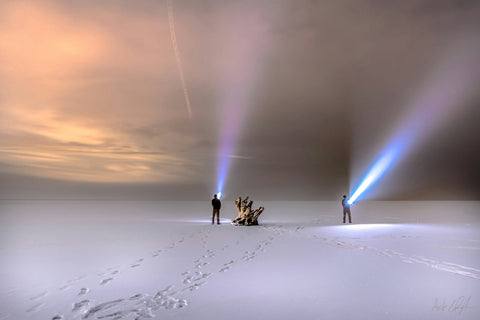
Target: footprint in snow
pixel 200 265
pixel 81 305
pixel 137 296
pixel 101 307
pixel 105 281
pixel 201 276
pixel 224 269
pixel 65 287
pixel 40 295
pixel 83 291
pixel 35 307
pixel 195 286
pixel 187 280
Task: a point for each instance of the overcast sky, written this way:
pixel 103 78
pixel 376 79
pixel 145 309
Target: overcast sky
pixel 117 99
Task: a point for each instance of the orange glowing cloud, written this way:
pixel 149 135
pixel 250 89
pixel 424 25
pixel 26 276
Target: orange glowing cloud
pixel 56 118
pixel 44 123
pixel 39 42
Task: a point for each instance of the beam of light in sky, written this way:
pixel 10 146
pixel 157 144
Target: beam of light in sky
pixel 445 94
pixel 376 171
pixel 246 46
pixel 229 137
pixel 173 36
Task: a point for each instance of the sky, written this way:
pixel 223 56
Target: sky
pixel 145 99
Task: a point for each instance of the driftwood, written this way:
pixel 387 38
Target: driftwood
pixel 246 215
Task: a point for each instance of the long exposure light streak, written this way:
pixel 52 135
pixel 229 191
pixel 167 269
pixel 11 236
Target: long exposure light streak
pixel 173 36
pixel 229 138
pixel 376 171
pixel 446 93
pixel 245 48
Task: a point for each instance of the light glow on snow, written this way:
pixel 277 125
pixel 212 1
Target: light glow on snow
pixel 205 221
pixel 369 226
pixel 365 227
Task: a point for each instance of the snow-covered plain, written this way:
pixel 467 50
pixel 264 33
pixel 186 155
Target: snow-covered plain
pixel 136 260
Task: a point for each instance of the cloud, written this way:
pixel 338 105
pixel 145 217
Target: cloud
pixel 236 156
pixel 91 92
pixel 79 87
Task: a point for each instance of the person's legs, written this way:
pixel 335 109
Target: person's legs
pixel 349 216
pixel 344 213
pixel 217 213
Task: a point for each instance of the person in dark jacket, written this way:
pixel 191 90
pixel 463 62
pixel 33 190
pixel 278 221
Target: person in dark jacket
pixel 216 204
pixel 346 209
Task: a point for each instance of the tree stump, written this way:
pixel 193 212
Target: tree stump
pixel 246 215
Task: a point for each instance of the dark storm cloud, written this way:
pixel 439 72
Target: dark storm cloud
pixel 331 82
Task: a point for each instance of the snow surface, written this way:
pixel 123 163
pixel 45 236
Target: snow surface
pixel 136 260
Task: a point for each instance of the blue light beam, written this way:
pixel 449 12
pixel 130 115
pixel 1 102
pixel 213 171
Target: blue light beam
pixel 246 44
pixel 445 94
pixel 384 162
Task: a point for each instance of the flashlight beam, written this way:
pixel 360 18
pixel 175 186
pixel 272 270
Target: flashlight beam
pixel 450 87
pixel 247 43
pixel 375 172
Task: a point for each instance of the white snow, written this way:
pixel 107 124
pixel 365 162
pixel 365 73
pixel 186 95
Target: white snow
pixel 136 260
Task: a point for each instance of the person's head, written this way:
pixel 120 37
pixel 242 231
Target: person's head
pixel 344 196
pixel 215 196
